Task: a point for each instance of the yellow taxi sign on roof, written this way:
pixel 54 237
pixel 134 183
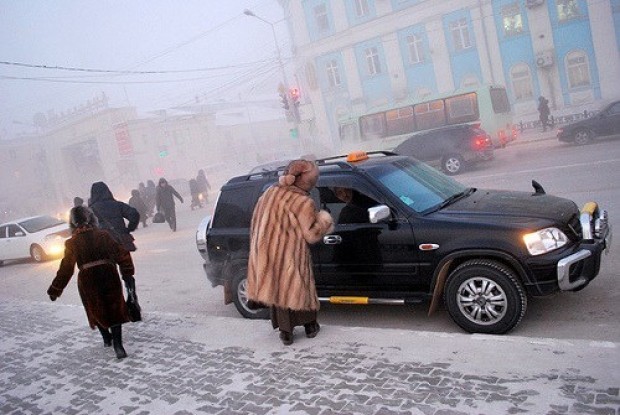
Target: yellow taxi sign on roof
pixel 357 156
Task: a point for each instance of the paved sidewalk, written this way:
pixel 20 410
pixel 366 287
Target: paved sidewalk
pixel 53 364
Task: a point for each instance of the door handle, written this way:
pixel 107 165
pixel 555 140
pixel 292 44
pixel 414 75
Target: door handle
pixel 332 239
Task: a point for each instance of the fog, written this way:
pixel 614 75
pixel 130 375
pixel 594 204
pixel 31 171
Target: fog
pixel 62 60
pixel 127 92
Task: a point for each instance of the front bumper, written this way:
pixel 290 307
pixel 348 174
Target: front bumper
pixel 577 270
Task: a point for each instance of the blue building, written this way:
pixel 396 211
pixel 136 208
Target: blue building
pixel 355 55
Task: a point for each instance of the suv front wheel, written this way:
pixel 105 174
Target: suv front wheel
pixel 485 296
pixel 240 298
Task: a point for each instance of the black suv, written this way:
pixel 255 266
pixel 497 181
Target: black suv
pixel 421 236
pixel 451 148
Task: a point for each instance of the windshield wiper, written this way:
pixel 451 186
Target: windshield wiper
pixel 452 199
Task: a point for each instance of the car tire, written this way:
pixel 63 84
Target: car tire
pixel 582 137
pixel 240 298
pixel 485 296
pixel 37 253
pixel 452 164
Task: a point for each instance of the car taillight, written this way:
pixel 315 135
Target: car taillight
pixel 481 142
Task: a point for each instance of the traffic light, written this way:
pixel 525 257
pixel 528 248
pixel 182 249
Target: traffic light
pixel 294 93
pixel 284 100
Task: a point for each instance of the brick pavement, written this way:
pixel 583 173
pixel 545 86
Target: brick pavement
pixel 53 364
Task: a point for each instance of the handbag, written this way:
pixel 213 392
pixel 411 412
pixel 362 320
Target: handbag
pixel 159 218
pixel 135 311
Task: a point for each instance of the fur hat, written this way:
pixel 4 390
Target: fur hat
pixel 301 173
pixel 82 216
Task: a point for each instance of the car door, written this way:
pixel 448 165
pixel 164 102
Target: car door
pixel 18 245
pixel 362 258
pixel 609 123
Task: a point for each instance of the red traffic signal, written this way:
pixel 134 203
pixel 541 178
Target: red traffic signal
pixel 295 95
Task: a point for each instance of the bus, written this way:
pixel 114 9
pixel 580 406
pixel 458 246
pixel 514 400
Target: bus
pixel 486 106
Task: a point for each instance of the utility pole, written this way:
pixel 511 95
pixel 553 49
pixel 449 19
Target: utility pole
pixel 289 96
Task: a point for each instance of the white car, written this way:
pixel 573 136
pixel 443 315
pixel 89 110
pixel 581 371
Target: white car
pixel 38 237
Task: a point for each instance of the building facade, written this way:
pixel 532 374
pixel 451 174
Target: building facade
pixel 45 171
pixel 355 55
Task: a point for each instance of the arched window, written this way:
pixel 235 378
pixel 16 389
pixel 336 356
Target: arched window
pixel 521 79
pixel 577 69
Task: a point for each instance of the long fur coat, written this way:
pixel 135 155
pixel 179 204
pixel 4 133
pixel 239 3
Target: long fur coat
pixel 285 221
pixel 100 287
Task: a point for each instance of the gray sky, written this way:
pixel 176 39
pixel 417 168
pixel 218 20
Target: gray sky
pixel 234 52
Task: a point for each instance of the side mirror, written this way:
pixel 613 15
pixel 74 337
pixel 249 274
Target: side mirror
pixel 20 233
pixel 378 213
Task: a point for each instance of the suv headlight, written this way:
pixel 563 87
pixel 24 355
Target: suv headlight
pixel 544 240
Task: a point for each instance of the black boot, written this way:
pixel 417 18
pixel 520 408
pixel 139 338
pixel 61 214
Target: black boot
pixel 107 337
pixel 117 341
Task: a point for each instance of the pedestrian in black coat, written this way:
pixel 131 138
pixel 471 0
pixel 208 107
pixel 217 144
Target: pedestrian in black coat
pixel 112 214
pixel 136 202
pixel 164 202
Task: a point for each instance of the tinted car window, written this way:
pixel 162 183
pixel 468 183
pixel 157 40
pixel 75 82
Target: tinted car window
pixel 416 184
pixel 499 100
pixel 234 209
pixel 13 230
pixel 3 232
pixel 614 109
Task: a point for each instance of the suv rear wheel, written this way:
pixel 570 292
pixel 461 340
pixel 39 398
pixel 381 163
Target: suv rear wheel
pixel 485 296
pixel 240 298
pixel 452 164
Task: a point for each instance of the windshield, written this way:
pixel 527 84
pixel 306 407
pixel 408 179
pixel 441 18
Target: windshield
pixel 39 223
pixel 416 184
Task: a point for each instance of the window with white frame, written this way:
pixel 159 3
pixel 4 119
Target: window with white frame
pixel 416 51
pixel 321 18
pixel 460 34
pixel 333 74
pixel 512 22
pixel 361 8
pixel 567 9
pixel 372 61
pixel 521 78
pixel 577 69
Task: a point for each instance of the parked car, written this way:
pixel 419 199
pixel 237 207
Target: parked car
pixel 425 236
pixel 605 122
pixel 449 148
pixel 38 237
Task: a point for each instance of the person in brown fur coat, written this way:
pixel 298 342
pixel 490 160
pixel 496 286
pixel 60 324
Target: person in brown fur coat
pixel 96 254
pixel 284 222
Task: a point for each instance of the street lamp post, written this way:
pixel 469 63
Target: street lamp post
pixel 250 13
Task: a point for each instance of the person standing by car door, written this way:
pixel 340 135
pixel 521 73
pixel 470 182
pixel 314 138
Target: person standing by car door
pixel 164 202
pixel 284 222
